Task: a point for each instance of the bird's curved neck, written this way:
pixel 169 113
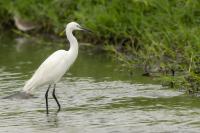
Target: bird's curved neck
pixel 73 42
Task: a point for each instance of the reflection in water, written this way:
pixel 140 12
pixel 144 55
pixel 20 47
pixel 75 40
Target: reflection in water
pixel 21 43
pixel 53 120
pixel 94 98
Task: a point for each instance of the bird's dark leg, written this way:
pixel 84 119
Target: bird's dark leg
pixel 46 97
pixel 54 96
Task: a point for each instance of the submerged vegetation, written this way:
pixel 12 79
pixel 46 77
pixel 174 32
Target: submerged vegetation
pixel 160 36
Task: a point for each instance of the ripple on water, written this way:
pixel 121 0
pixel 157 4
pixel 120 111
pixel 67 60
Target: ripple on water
pixel 106 106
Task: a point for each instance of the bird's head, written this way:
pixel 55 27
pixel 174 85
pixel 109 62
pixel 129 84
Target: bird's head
pixel 75 26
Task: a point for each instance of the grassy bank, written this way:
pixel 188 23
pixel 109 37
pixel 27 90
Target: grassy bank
pixel 161 36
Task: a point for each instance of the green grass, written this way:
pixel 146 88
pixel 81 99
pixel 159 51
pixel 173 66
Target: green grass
pixel 157 35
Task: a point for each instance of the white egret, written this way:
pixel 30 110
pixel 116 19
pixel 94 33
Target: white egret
pixel 55 66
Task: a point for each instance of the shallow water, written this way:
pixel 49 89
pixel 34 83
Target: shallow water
pixel 95 96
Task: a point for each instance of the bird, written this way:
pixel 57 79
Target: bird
pixel 24 25
pixel 55 66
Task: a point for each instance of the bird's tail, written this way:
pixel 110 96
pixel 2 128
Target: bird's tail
pixel 29 86
pixel 25 93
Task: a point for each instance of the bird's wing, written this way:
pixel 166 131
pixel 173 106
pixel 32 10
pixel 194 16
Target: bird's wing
pixel 51 69
pixel 52 64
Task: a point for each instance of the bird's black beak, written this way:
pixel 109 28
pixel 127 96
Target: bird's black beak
pixel 87 30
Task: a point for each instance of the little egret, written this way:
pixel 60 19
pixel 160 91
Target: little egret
pixel 55 66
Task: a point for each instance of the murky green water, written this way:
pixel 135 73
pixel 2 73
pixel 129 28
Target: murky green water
pixel 95 96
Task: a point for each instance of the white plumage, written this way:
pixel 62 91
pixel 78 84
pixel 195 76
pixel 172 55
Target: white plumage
pixel 55 66
pixel 50 71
